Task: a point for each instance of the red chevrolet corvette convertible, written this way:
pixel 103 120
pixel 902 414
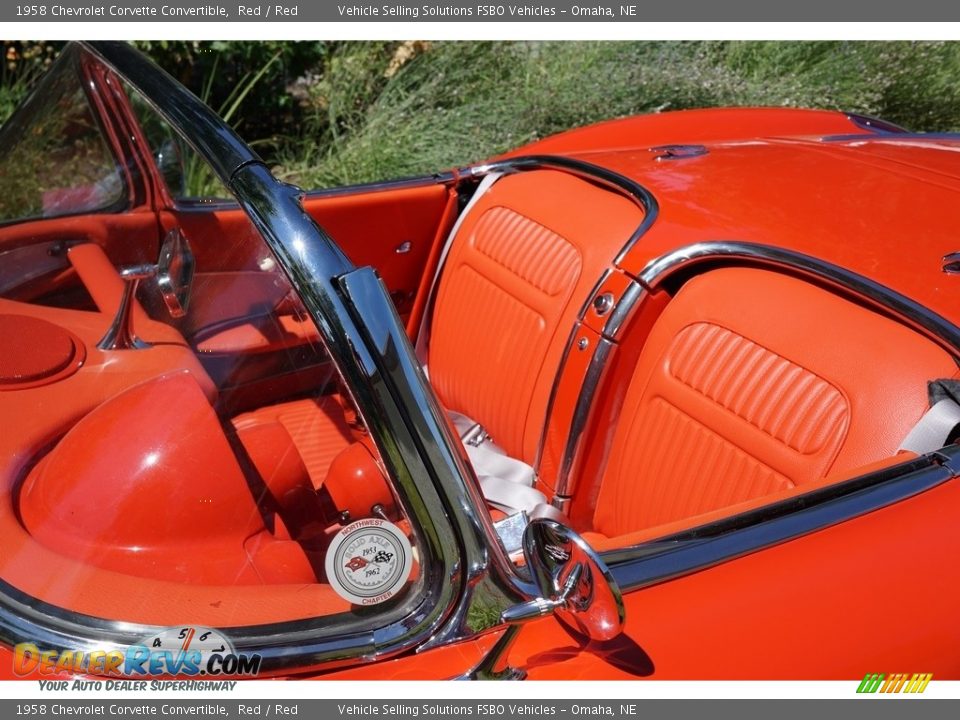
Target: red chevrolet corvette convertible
pixel 672 396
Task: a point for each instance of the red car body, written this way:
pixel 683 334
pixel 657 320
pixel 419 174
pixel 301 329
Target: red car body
pixel 731 356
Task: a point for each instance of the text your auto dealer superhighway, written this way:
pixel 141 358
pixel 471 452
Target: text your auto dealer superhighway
pixel 142 11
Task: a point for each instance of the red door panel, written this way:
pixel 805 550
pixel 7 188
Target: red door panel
pixel 126 238
pixel 373 228
pixel 33 255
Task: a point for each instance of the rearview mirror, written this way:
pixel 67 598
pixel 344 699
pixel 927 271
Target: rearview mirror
pixel 175 272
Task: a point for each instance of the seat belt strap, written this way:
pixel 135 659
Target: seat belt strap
pixel 933 429
pixel 509 496
pixel 507 483
pixel 423 334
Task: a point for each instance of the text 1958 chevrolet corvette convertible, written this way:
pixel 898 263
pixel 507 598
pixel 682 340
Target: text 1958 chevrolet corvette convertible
pixel 672 396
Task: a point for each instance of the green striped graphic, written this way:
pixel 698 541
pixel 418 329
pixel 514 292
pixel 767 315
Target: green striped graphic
pixel 870 683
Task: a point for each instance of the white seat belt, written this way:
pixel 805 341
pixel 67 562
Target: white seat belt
pixel 507 483
pixel 933 430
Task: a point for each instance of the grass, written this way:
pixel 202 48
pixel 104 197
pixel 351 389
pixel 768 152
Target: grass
pixel 199 180
pixel 456 102
pixel 359 111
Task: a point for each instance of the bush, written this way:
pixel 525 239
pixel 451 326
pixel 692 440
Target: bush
pixel 341 112
pixel 23 64
pixel 455 102
pixel 270 108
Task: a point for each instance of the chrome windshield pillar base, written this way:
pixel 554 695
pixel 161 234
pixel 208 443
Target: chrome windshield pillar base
pixel 494 665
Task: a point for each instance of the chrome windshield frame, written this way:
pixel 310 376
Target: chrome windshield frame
pixel 461 556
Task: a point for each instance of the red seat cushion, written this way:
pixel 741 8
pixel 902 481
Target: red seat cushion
pixel 752 383
pixel 302 435
pixel 523 263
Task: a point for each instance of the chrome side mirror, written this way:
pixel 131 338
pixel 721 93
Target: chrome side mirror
pixel 574 584
pixel 175 273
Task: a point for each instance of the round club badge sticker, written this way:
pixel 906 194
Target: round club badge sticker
pixel 369 561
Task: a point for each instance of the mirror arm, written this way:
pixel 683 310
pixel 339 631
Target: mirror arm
pixel 530 610
pixel 553 550
pixel 494 665
pixel 539 607
pixel 120 334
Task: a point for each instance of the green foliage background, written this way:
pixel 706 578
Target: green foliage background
pixel 327 113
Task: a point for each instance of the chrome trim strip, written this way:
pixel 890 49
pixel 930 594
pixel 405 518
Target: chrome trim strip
pixel 613 180
pixel 891 138
pixel 874 124
pixel 596 373
pixel 623 310
pixel 951 263
pixel 709 545
pixel 913 313
pixel 581 415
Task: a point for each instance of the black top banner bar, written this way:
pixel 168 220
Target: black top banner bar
pixel 418 11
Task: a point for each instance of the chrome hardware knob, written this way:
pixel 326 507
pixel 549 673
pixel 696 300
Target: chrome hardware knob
pixel 602 304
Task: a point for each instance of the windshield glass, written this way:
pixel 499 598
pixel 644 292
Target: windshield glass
pixel 184 437
pixel 53 157
pixel 188 179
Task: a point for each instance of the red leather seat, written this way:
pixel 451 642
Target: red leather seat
pixel 754 383
pixel 522 264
